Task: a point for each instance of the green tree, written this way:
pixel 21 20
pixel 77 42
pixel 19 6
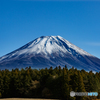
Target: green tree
pixel 74 81
pixel 65 85
pixel 59 73
pixel 1 84
pixel 6 82
pixel 81 87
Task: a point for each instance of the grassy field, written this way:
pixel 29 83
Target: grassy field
pixel 25 99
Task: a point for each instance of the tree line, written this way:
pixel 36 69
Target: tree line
pixel 56 83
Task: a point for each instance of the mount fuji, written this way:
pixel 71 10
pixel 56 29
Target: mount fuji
pixel 47 51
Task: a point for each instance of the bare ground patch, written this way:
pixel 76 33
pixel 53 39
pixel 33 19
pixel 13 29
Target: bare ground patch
pixel 26 99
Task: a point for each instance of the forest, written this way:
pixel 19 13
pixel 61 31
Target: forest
pixel 53 83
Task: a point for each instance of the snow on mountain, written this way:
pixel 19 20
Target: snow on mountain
pixel 49 51
pixel 46 44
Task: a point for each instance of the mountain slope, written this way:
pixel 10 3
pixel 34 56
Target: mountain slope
pixel 47 51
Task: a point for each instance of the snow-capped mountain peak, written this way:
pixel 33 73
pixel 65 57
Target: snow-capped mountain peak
pixel 47 45
pixel 54 49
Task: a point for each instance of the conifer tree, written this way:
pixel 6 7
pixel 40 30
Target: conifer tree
pixel 59 73
pixel 1 84
pixel 91 87
pixel 6 82
pixel 74 81
pixel 81 87
pixel 65 85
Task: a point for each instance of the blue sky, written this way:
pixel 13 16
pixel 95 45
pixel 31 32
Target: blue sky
pixel 78 21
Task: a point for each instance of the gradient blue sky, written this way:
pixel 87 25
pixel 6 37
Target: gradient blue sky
pixel 78 21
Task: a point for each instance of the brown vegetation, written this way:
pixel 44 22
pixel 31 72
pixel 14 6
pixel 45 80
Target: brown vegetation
pixel 26 99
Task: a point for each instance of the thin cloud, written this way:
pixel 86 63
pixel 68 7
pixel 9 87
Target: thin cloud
pixel 93 43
